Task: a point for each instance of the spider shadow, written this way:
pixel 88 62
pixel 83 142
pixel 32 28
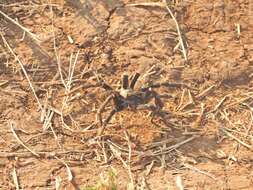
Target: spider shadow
pixel 199 148
pixel 193 148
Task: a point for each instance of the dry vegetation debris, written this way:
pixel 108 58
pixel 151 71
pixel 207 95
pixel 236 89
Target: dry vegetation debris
pixel 54 58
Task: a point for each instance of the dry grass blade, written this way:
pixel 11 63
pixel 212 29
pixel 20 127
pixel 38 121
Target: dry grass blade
pixel 23 69
pixel 221 102
pixel 189 103
pixel 129 159
pixel 178 31
pixel 125 150
pixel 46 117
pixel 144 184
pixel 24 5
pixel 173 147
pixel 55 137
pixel 33 36
pixel 205 92
pixel 179 183
pixel 165 5
pixel 200 171
pixel 72 69
pixel 58 182
pixel 181 102
pixel 117 154
pixel 146 4
pixel 238 30
pixel 67 84
pixel 101 144
pixel 70 176
pixel 48 120
pixel 59 68
pixel 15 178
pixel 163 157
pixel 42 154
pixel 159 143
pixel 237 139
pixel 2 83
pixel 20 142
pixel 201 114
pixel 149 168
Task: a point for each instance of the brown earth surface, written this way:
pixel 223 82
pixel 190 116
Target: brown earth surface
pixel 205 136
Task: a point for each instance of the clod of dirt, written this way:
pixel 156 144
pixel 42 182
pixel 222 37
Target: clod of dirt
pixel 124 25
pixel 230 72
pixel 2 66
pixel 198 74
pixel 238 182
pixel 11 101
pixel 215 14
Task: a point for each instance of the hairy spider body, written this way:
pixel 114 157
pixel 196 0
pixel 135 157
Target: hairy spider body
pixel 133 99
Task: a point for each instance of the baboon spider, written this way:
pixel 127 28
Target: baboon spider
pixel 128 97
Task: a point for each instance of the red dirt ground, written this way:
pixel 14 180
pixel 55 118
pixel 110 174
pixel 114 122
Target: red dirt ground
pixel 114 37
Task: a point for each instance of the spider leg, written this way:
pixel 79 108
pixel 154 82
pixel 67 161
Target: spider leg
pixel 155 111
pixel 106 86
pixel 151 107
pixel 163 117
pixel 169 84
pixel 159 112
pixel 102 107
pixel 124 81
pixel 111 114
pixel 166 84
pixel 158 101
pixel 102 83
pixel 134 80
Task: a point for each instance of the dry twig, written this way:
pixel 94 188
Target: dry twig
pixel 146 4
pixel 179 182
pixel 16 136
pixel 235 138
pixel 205 92
pixel 127 165
pixel 178 31
pixel 173 147
pixel 200 171
pixel 221 102
pixel 23 69
pixel 33 36
pixel 15 178
pixel 42 154
pixel 129 159
pixel 70 176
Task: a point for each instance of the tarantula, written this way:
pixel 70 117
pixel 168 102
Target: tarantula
pixel 128 97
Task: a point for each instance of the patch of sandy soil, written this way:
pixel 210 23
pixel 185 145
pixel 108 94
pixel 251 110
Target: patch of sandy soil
pixel 204 137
